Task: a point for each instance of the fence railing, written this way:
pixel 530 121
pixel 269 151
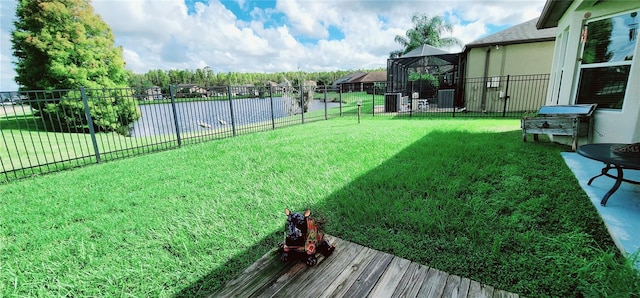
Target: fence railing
pixel 500 96
pixel 46 131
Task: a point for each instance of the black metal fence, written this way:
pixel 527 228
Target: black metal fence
pixel 46 131
pixel 500 96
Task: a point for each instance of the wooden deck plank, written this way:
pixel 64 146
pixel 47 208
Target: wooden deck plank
pixel 434 283
pixel 504 294
pixel 474 290
pixel 269 273
pixel 452 288
pixel 352 271
pixel 487 291
pixel 411 281
pixel 465 284
pixel 347 277
pixel 322 274
pixel 391 278
pixel 369 276
pixel 298 270
pixel 477 290
pixel 261 272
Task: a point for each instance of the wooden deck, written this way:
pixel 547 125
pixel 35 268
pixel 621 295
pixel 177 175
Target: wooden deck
pixel 352 271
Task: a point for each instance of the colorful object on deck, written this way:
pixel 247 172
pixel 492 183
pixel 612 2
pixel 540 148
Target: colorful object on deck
pixel 303 239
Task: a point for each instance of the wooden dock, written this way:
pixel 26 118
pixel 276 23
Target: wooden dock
pixel 352 271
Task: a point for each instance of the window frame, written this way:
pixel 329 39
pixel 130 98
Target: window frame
pixel 603 65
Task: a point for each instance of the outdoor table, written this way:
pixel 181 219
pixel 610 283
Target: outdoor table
pixel 612 160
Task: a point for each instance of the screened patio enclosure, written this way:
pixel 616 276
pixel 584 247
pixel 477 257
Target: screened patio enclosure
pixel 404 76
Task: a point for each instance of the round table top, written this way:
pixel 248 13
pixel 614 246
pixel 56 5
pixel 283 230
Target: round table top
pixel 602 152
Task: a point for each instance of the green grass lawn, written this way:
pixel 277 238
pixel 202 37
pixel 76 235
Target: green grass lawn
pixel 464 196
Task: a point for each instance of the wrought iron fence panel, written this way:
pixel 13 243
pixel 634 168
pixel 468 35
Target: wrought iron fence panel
pixel 28 148
pixel 500 96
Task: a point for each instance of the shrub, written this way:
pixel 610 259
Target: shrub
pixel 109 111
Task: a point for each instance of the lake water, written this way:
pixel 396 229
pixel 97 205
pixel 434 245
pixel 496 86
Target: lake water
pixel 158 119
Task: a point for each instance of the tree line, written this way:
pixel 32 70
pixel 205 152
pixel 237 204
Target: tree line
pixel 207 77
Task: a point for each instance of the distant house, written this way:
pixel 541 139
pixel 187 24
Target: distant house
pixel 369 81
pixel 284 86
pixel 359 82
pixel 270 84
pixel 337 84
pixel 152 93
pixel 596 61
pixel 519 50
pixel 191 90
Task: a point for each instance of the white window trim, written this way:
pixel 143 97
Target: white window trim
pixel 581 66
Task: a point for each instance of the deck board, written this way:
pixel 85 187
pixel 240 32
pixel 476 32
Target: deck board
pixel 391 278
pixel 352 271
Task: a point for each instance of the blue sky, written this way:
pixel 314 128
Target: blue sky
pixel 274 36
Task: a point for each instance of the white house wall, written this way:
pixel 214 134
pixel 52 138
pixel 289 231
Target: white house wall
pixel 614 126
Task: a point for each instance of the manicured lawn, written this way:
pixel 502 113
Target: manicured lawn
pixel 463 196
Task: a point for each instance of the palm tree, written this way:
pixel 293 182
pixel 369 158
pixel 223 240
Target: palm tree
pixel 426 30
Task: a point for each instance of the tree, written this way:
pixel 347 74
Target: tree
pixel 63 44
pixel 426 30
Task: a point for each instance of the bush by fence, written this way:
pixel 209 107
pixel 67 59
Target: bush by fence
pixel 91 126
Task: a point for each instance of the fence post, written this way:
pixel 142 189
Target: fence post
pixel 233 122
pixel 411 100
pixel 373 104
pixel 273 118
pixel 411 104
pixel 506 97
pixel 175 115
pixel 340 98
pixel 326 116
pixel 92 131
pixel 454 105
pixel 301 88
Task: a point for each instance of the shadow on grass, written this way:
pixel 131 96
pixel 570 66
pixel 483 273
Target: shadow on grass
pixel 485 206
pixel 222 274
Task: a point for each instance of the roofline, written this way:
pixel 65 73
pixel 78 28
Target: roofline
pixel 552 12
pixel 506 43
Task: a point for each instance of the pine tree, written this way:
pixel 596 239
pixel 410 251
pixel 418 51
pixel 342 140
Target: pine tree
pixel 61 44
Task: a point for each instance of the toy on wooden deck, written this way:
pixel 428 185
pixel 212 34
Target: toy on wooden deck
pixel 302 239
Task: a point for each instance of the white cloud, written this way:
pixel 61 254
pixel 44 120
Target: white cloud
pixel 303 17
pixel 290 34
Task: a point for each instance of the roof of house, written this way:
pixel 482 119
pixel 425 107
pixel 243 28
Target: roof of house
pixel 552 12
pixel 374 76
pixel 285 83
pixel 348 77
pixel 526 32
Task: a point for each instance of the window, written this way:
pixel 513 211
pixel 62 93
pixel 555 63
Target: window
pixel 607 54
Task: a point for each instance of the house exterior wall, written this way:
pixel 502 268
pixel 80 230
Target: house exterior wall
pixel 610 125
pixel 513 59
